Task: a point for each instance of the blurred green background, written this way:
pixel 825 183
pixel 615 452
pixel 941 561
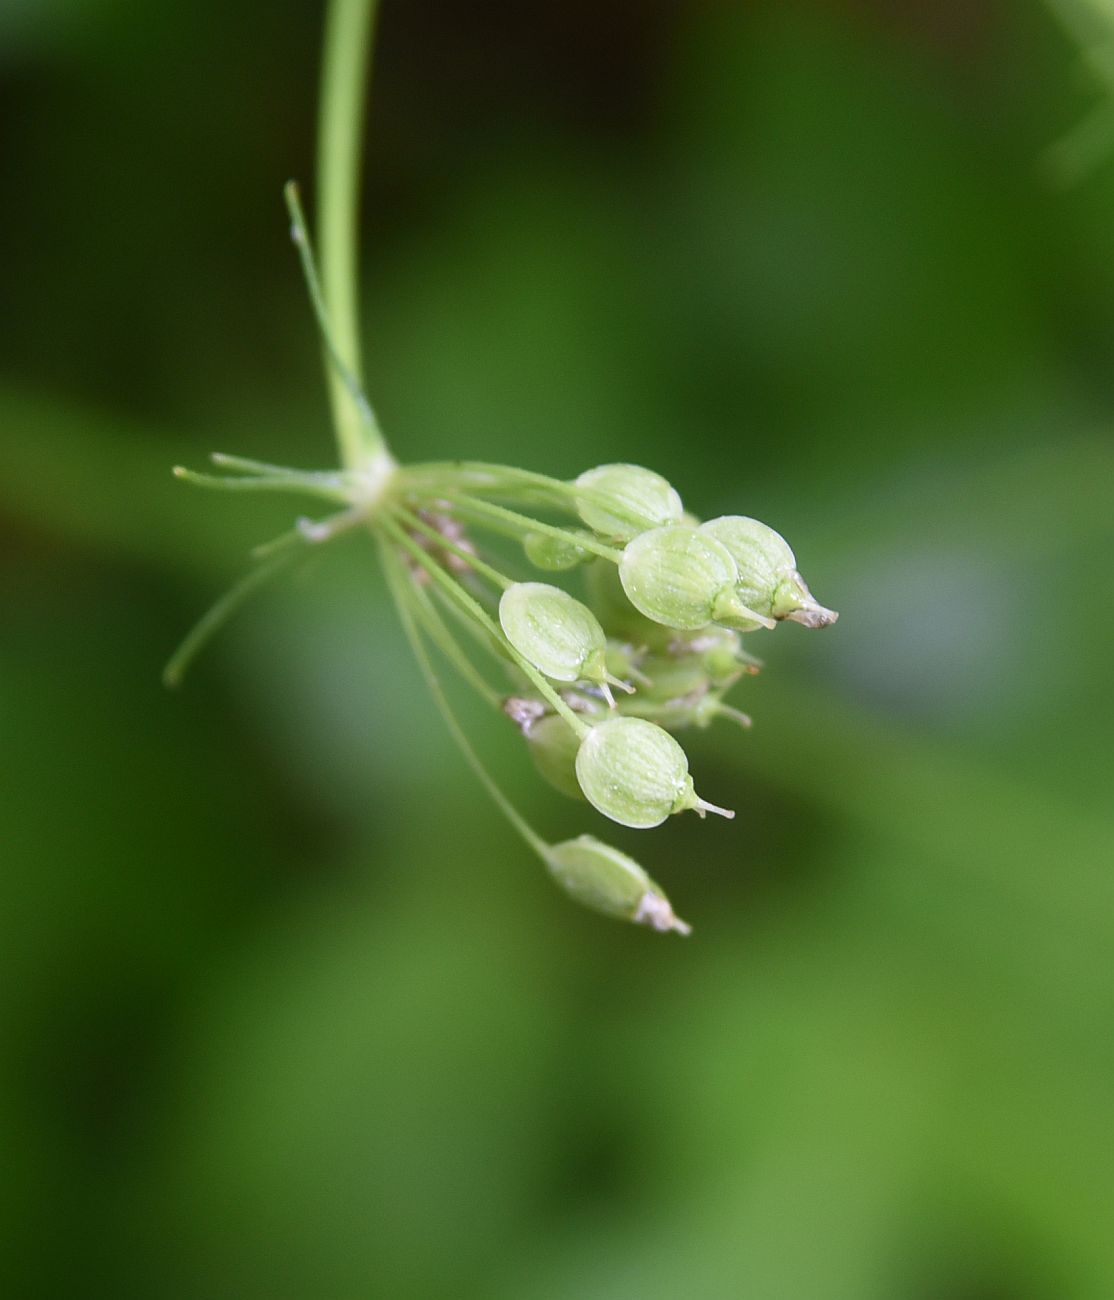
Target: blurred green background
pixel 287 1010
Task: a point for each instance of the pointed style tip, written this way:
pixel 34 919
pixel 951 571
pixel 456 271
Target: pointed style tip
pixel 737 716
pixel 813 615
pixel 654 910
pixel 703 807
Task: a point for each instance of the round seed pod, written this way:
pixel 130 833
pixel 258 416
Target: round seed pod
pixel 558 634
pixel 723 659
pixel 622 501
pixel 673 715
pixel 720 651
pixel 607 881
pixel 696 710
pixel 553 747
pixel 683 578
pixel 623 662
pixel 636 773
pixel 551 629
pixel 768 579
pixel 555 554
pixel 674 676
pixel 614 610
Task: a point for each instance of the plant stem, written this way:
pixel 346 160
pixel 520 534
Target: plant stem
pixel 345 72
pixel 429 615
pixel 476 611
pixel 219 614
pixel 397 579
pixel 473 561
pixel 308 483
pixel 526 525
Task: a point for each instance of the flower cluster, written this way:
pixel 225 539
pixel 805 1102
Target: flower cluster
pixel 666 599
pixel 599 684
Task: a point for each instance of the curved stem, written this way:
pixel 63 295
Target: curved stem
pixel 215 618
pixel 411 520
pixel 309 484
pixel 429 615
pixel 525 525
pixel 451 477
pixel 397 579
pixel 345 72
pixel 476 611
pixel 485 476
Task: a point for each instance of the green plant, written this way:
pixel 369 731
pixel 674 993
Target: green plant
pixel 668 597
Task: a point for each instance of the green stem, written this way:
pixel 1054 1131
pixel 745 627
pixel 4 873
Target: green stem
pixel 241 465
pixel 525 525
pixel 448 478
pixel 495 650
pixel 345 73
pixel 487 477
pixel 338 368
pixel 474 562
pixel 397 580
pixel 438 632
pixel 326 486
pixel 477 612
pixel 219 614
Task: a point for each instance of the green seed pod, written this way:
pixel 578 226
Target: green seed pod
pixel 635 773
pixel 623 662
pixel 673 676
pixel 720 650
pixel 557 634
pixel 624 500
pixel 683 578
pixel 545 551
pixel 553 747
pixel 768 579
pixel 794 601
pixel 672 715
pixel 602 878
pixel 695 710
pixel 711 707
pixel 614 610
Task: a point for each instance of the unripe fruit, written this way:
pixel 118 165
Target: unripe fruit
pixel 561 637
pixel 624 500
pixel 609 601
pixel 711 658
pixel 720 651
pixel 553 747
pixel 768 579
pixel 698 709
pixel 637 774
pixel 602 878
pixel 545 551
pixel 623 662
pixel 683 578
